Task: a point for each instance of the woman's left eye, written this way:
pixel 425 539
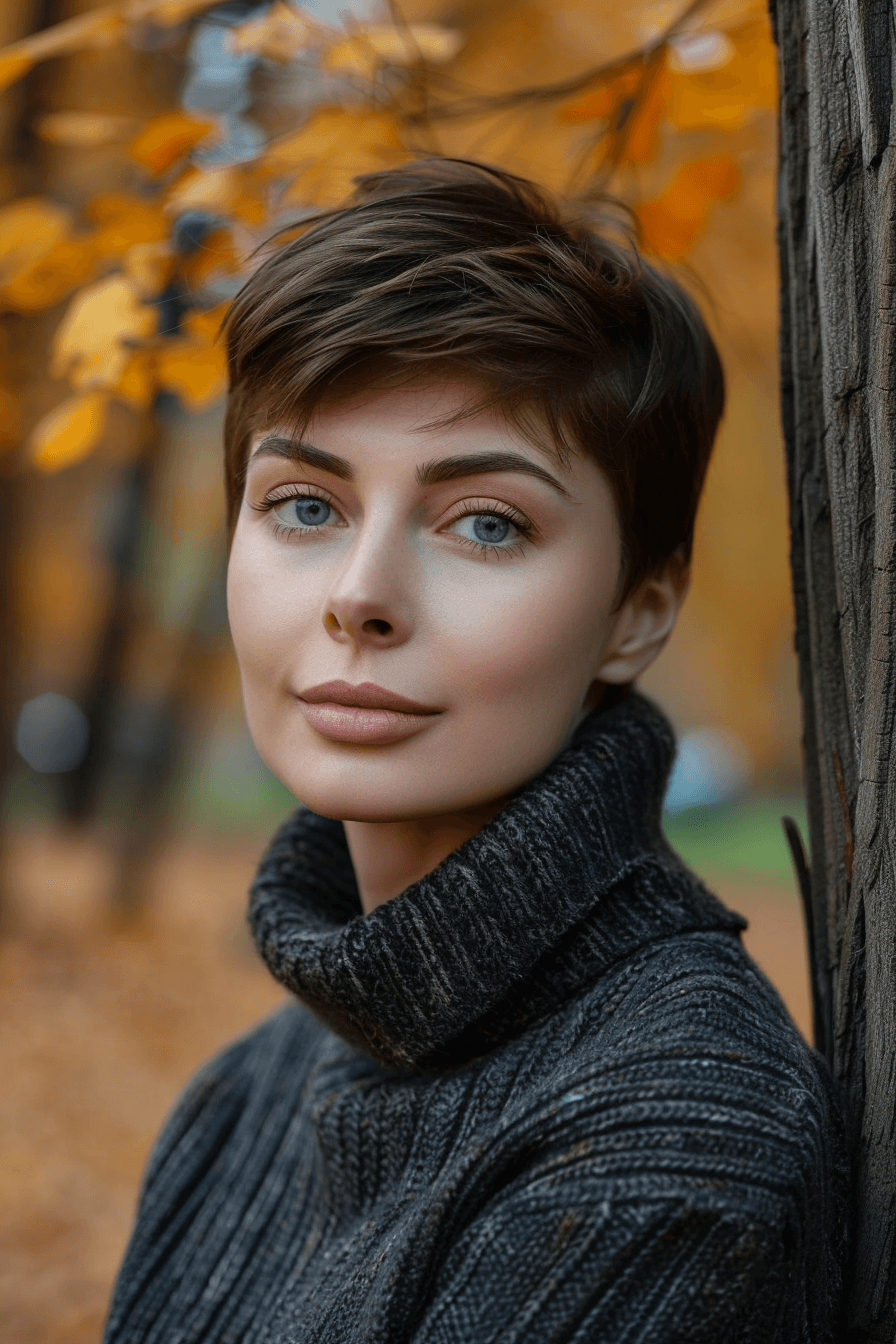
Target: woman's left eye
pixel 487 529
pixel 303 511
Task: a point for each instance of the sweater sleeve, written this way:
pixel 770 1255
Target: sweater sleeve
pixel 566 1261
pixel 672 1192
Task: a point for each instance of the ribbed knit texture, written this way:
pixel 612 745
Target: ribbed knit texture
pixel 541 1096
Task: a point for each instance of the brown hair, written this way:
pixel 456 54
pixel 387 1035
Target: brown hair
pixel 452 261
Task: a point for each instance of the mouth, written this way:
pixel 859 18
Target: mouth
pixel 363 714
pixel 365 696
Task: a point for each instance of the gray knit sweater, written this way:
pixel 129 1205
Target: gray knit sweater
pixel 542 1095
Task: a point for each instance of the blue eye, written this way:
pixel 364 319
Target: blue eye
pixel 303 511
pixel 488 530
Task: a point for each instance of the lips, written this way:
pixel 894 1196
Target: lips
pixel 365 696
pixel 365 715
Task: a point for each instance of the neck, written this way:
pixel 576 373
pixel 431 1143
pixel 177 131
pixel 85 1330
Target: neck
pixel 388 856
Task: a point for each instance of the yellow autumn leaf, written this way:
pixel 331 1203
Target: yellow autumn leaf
pixel 221 191
pixel 69 432
pixel 123 221
pixel 91 344
pixel 195 372
pixel 13 65
pixel 83 129
pixel 672 222
pixel 334 146
pixel 280 35
pixel 148 266
pixel 69 264
pixel 168 138
pixel 137 384
pixel 206 326
pixel 363 51
pixel 29 229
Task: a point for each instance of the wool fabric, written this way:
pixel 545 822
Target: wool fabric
pixel 543 1095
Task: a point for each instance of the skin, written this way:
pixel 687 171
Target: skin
pixel 512 639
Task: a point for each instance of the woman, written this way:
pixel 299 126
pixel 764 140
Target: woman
pixel 531 1087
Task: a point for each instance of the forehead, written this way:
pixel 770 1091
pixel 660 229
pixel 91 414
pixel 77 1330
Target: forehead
pixel 419 413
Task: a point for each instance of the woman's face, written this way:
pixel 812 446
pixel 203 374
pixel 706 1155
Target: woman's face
pixel 459 567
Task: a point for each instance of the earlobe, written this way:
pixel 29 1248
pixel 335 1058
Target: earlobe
pixel 644 623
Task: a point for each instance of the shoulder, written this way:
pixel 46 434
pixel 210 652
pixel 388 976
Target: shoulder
pixel 682 1074
pixel 669 1160
pixel 238 1083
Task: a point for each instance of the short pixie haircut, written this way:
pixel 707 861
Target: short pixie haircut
pixel 560 320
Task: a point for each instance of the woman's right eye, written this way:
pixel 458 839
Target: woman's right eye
pixel 303 512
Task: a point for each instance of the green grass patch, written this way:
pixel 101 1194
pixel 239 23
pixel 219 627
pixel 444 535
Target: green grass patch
pixel 744 838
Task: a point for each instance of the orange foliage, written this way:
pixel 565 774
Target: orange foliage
pixel 137 384
pixel 123 221
pixel 70 432
pixel 599 104
pixel 29 229
pixel 206 326
pixel 194 371
pixel 721 97
pixel 165 140
pixel 332 148
pixel 640 133
pixel 672 223
pixel 229 191
pixel 149 267
pixel 121 257
pixel 703 81
pixel 90 346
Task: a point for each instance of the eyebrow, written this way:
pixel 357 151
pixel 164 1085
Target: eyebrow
pixel 429 473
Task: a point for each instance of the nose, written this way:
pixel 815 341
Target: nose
pixel 369 603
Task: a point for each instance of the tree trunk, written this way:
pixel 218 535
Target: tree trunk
pixel 837 236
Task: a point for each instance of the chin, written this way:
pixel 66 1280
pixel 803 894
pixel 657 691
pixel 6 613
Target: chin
pixel 384 795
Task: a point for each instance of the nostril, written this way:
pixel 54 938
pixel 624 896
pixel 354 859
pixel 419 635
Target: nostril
pixel 331 622
pixel 374 626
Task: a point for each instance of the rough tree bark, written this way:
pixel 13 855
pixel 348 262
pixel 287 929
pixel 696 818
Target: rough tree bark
pixel 837 234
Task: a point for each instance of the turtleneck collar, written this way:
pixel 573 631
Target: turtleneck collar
pixel 571 875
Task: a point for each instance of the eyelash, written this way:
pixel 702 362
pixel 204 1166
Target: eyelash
pixel 471 508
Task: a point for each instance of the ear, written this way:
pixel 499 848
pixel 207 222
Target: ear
pixel 644 622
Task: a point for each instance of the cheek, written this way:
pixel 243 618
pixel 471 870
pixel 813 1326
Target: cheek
pixel 541 628
pixel 265 610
